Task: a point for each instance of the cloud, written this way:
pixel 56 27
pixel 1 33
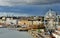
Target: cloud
pixel 13 14
pixel 27 2
pixel 27 10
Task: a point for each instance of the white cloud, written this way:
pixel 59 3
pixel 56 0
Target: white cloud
pixel 24 2
pixel 13 14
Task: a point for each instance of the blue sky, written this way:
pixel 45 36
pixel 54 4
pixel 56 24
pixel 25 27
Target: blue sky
pixel 31 8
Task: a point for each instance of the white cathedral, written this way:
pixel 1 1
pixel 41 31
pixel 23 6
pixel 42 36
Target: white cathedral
pixel 52 21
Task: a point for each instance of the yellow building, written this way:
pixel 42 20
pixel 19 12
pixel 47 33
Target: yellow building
pixel 31 22
pixel 26 22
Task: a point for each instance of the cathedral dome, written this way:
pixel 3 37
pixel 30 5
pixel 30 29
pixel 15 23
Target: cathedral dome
pixel 50 14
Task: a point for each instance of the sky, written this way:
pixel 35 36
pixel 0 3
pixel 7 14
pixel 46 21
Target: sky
pixel 28 7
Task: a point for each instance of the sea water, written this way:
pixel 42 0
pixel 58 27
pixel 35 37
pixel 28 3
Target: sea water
pixel 6 33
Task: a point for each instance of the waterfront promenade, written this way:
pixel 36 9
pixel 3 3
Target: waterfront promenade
pixel 37 34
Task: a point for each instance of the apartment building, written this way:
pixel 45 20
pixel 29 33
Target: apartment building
pixel 31 21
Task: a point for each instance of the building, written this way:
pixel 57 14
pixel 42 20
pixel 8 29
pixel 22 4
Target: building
pixel 6 21
pixel 32 21
pixel 50 20
pixel 11 21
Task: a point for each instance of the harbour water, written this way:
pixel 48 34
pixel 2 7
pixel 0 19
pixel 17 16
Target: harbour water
pixel 6 33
